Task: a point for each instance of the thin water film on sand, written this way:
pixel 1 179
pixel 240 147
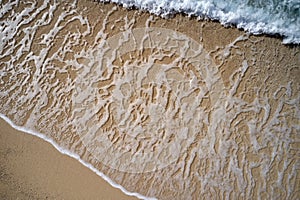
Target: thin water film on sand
pixel 163 108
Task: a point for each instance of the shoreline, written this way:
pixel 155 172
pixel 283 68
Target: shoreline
pixel 35 157
pixel 249 69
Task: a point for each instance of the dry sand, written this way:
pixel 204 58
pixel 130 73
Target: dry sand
pixel 31 168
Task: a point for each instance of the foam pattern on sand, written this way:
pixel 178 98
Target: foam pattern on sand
pixel 160 111
pixel 268 16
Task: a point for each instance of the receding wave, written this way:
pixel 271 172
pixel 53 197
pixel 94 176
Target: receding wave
pixel 159 110
pixel 275 17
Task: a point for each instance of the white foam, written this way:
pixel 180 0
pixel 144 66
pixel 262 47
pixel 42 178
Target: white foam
pixel 75 156
pixel 271 19
pixel 65 107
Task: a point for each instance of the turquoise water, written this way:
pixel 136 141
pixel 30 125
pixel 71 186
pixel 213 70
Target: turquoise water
pixel 274 17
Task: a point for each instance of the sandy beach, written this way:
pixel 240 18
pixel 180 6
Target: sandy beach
pixel 215 114
pixel 33 169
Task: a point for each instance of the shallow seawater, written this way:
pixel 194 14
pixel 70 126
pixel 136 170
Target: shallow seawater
pixel 173 108
pixel 274 17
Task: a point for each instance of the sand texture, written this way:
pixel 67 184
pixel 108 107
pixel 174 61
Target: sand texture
pixel 31 168
pixel 168 108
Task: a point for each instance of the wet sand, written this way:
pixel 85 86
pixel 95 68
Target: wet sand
pixel 31 168
pixel 256 86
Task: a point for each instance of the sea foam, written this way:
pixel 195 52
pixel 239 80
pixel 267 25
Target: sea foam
pixel 257 17
pixel 75 156
pixel 71 78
